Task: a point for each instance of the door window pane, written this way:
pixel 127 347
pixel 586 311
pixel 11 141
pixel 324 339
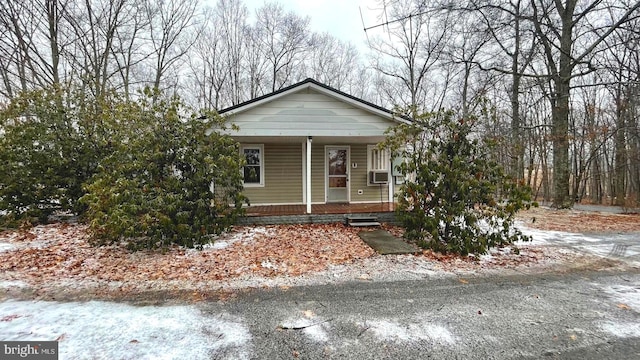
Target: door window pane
pixel 337 162
pixel 337 182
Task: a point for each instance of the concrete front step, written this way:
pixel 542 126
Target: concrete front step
pixel 361 220
pixel 371 223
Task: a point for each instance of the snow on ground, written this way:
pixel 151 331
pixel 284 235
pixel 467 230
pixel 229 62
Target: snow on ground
pixel 376 268
pixel 4 284
pixel 545 237
pixel 6 247
pixel 603 246
pixel 609 250
pixel 622 329
pixel 314 328
pixel 227 239
pixel 625 298
pixel 629 295
pixel 392 330
pixel 119 331
pixel 493 252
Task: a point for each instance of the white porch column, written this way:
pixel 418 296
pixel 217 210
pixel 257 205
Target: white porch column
pixel 308 175
pixel 392 182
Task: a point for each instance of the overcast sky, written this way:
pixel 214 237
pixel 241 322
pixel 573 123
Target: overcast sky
pixel 340 18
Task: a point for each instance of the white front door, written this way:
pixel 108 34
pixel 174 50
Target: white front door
pixel 337 173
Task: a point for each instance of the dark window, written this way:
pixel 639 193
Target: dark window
pixel 253 169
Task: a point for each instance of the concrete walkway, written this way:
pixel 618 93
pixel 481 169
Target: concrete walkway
pixel 386 244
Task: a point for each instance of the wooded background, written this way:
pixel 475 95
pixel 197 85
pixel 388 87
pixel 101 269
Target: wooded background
pixel 557 81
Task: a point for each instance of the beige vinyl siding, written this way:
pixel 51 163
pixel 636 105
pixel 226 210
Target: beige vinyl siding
pixel 282 176
pixel 359 178
pixel 317 173
pixel 309 112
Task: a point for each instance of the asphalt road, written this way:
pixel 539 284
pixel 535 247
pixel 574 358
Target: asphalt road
pixel 588 315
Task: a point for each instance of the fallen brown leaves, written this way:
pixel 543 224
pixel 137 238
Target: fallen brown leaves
pixel 497 259
pixel 58 252
pixel 58 257
pixel 579 221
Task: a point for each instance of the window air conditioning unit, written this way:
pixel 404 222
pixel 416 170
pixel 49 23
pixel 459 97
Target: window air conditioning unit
pixel 379 177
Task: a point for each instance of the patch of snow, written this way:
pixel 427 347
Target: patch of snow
pixel 393 330
pixel 622 330
pixel 119 331
pixel 317 333
pixel 268 265
pixel 628 295
pixel 6 247
pixel 612 250
pixel 5 284
pixel 487 258
pixel 544 237
pixel 227 239
pixel 315 329
pixel 220 244
pixel 625 297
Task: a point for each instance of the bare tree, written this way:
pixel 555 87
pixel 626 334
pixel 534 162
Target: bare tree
pixel 621 60
pixel 505 22
pixel 128 46
pixel 257 67
pixel 232 19
pixel 410 49
pixel 556 23
pixel 30 50
pixel 283 37
pixel 330 60
pixel 173 31
pixel 94 24
pixel 208 66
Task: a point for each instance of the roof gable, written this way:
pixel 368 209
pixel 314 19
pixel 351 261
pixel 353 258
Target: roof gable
pixel 315 86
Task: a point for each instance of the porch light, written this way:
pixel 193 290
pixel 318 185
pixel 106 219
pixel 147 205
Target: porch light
pixel 310 138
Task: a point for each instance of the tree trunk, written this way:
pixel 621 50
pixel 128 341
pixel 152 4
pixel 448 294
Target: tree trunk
pixel 634 146
pixel 53 20
pixel 620 158
pixel 560 139
pixel 560 111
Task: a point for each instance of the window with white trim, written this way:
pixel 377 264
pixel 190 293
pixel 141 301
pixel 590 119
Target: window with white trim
pixel 253 170
pixel 377 160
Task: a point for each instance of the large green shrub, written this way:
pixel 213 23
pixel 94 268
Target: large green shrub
pixel 155 189
pixel 50 144
pixel 457 198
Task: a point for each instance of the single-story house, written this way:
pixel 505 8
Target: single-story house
pixel 309 144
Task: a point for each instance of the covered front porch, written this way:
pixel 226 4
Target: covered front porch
pixel 315 175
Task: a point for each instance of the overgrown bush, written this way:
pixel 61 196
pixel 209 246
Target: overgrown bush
pixel 155 189
pixel 50 143
pixel 456 198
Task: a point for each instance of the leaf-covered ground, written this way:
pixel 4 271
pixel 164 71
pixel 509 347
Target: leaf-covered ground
pixel 57 252
pixel 579 221
pixel 57 258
